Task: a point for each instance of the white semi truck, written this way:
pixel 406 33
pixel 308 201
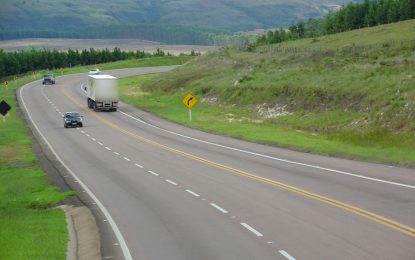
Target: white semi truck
pixel 102 91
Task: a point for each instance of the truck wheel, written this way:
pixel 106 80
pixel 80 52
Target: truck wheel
pixel 95 106
pixel 80 125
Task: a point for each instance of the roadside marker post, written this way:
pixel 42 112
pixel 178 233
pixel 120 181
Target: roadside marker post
pixel 189 101
pixel 4 109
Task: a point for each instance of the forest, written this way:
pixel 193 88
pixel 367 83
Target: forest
pixel 349 17
pixel 14 63
pixel 169 34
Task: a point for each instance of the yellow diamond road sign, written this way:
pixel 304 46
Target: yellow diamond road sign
pixel 189 101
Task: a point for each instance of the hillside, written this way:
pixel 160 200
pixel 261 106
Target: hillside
pixel 75 16
pixel 346 93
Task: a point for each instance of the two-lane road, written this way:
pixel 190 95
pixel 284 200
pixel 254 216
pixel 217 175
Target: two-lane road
pixel 169 192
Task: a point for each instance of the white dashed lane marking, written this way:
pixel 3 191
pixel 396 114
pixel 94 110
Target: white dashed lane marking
pixel 154 173
pixel 286 255
pixel 193 193
pixel 139 166
pixel 171 182
pixel 253 230
pixel 219 208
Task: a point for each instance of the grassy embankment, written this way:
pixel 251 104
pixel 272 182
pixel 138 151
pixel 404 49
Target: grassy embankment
pixel 350 95
pixel 30 228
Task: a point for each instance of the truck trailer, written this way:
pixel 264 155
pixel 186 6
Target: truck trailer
pixel 102 91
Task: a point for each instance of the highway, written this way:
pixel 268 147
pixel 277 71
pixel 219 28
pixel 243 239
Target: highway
pixel 163 191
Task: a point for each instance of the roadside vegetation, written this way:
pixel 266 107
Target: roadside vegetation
pixel 349 17
pixel 349 94
pixel 30 225
pixel 18 62
pixel 31 228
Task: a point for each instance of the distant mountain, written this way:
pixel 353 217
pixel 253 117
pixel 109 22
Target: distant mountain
pixel 231 15
pixel 47 17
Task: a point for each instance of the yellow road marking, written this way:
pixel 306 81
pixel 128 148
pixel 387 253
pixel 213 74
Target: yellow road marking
pixel 358 211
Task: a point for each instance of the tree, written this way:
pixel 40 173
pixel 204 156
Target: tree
pixel 301 29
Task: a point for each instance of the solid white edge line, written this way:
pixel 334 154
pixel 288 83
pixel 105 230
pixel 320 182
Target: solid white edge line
pixel 193 193
pixel 154 173
pixel 117 232
pixel 253 230
pixel 171 182
pixel 273 158
pixel 218 208
pixel 286 255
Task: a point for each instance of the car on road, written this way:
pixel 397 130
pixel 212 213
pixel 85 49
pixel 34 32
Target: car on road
pixel 48 79
pixel 94 71
pixel 72 119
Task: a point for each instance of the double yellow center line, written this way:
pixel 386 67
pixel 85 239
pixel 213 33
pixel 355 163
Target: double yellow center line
pixel 358 211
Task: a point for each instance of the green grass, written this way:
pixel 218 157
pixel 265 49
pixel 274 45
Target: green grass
pixel 349 95
pixel 33 234
pixel 30 227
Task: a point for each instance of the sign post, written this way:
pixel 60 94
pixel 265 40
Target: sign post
pixel 189 101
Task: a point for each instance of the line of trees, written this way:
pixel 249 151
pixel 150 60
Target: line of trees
pixel 349 17
pixel 169 34
pixel 369 13
pixel 12 63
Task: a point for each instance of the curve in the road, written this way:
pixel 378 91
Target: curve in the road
pixel 395 225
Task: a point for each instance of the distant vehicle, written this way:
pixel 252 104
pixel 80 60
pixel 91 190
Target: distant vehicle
pixel 102 92
pixel 48 79
pixel 72 119
pixel 94 72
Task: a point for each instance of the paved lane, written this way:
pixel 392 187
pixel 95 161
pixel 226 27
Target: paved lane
pixel 178 193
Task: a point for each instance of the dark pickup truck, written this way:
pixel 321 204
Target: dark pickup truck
pixel 48 79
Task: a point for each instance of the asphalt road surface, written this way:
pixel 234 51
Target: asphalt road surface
pixel 163 191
